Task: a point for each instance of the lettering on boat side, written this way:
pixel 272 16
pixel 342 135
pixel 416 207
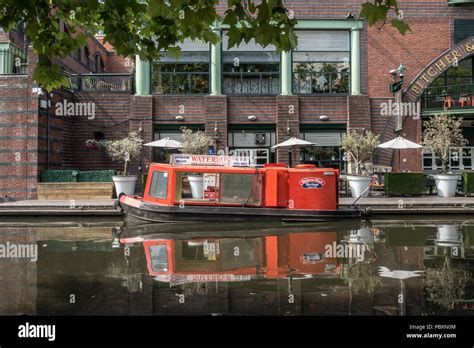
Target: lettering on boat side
pixel 312 183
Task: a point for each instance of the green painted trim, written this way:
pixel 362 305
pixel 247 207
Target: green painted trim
pixel 451 112
pixel 460 2
pixel 216 65
pixel 323 126
pixel 157 127
pixel 286 73
pixel 337 24
pixel 355 62
pixel 253 126
pixel 142 77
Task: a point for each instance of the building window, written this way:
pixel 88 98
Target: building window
pixel 253 143
pixel 98 64
pixel 327 153
pixel 187 75
pixel 321 62
pixel 250 69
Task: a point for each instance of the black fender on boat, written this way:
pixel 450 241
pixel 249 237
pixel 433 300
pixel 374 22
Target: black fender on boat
pixel 117 204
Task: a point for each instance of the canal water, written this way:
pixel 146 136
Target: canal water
pixel 401 266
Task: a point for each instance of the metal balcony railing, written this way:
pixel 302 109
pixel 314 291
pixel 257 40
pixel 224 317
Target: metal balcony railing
pixel 448 97
pixel 101 82
pixel 180 83
pixel 251 82
pixel 12 61
pixel 318 83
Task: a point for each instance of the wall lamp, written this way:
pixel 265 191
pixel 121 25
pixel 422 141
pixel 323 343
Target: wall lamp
pixel 179 118
pixel 323 118
pixel 252 118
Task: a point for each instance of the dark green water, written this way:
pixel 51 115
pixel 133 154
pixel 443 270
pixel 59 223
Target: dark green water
pixel 380 267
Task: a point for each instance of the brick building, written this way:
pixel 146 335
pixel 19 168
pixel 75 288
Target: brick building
pixel 248 98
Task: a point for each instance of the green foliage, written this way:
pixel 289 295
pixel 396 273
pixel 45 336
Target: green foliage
pixel 96 176
pixel 67 175
pixel 362 277
pixel 467 179
pixel 441 132
pixel 144 28
pixel 404 183
pixel 359 146
pixel 377 11
pixel 124 150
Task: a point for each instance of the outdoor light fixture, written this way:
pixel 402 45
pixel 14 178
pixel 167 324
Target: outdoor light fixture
pixel 401 70
pixel 215 127
pixel 38 90
pixel 252 118
pixel 323 118
pixel 288 127
pixel 350 15
pixel 179 118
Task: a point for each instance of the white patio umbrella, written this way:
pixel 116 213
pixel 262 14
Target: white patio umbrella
pixel 292 143
pixel 399 143
pixel 165 143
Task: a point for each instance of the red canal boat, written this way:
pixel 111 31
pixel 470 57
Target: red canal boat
pixel 212 188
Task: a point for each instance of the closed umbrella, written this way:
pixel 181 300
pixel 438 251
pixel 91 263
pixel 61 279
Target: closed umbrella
pixel 292 143
pixel 399 143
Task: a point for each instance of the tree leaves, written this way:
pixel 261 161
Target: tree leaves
pixel 378 10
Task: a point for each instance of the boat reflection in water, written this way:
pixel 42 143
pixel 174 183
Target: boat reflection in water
pixel 370 268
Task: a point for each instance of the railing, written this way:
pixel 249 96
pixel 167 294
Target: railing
pixel 317 83
pixel 181 83
pixel 101 82
pixel 251 82
pixel 448 97
pixel 12 62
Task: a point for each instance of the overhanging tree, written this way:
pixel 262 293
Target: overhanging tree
pixel 144 28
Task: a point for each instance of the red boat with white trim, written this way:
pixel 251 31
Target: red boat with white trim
pixel 220 188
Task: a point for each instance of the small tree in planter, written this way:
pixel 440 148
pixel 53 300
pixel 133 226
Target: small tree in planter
pixel 442 132
pixel 359 147
pixel 195 143
pixel 124 150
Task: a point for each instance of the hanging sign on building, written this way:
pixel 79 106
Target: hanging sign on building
pixel 205 160
pixel 450 58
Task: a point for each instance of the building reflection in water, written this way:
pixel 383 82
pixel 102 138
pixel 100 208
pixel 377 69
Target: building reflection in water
pixel 262 271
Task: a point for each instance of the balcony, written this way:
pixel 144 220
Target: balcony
pixel 101 82
pixel 12 61
pixel 455 98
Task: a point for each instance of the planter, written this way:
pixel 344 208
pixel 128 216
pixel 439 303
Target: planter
pixel 196 183
pixel 125 184
pixel 448 235
pixel 446 184
pixel 359 184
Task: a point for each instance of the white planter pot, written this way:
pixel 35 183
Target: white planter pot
pixel 448 235
pixel 362 236
pixel 125 184
pixel 359 184
pixel 196 183
pixel 446 184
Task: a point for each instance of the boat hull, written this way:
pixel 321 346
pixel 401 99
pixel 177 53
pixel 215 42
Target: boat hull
pixel 135 209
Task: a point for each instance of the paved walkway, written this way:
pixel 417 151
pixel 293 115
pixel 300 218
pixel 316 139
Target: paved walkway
pixel 372 205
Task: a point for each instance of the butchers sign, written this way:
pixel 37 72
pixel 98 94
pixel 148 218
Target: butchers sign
pixel 205 160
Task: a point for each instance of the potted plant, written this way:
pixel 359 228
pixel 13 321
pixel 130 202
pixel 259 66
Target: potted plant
pixel 93 144
pixel 442 132
pixel 359 147
pixel 195 143
pixel 124 150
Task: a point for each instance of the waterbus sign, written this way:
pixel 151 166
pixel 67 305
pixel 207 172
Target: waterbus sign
pixel 206 160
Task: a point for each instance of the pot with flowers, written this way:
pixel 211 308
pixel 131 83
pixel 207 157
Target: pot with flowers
pixel 359 147
pixel 442 132
pixel 124 150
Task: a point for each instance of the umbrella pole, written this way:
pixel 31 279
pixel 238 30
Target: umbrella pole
pixel 289 156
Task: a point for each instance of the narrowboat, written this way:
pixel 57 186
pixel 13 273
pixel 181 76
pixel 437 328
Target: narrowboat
pixel 221 189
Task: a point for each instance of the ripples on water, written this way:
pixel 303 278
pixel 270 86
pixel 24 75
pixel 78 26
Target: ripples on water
pixel 372 268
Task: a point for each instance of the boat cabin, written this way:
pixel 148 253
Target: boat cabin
pixel 274 186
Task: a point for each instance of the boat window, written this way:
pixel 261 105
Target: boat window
pixel 159 258
pixel 159 184
pixel 240 188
